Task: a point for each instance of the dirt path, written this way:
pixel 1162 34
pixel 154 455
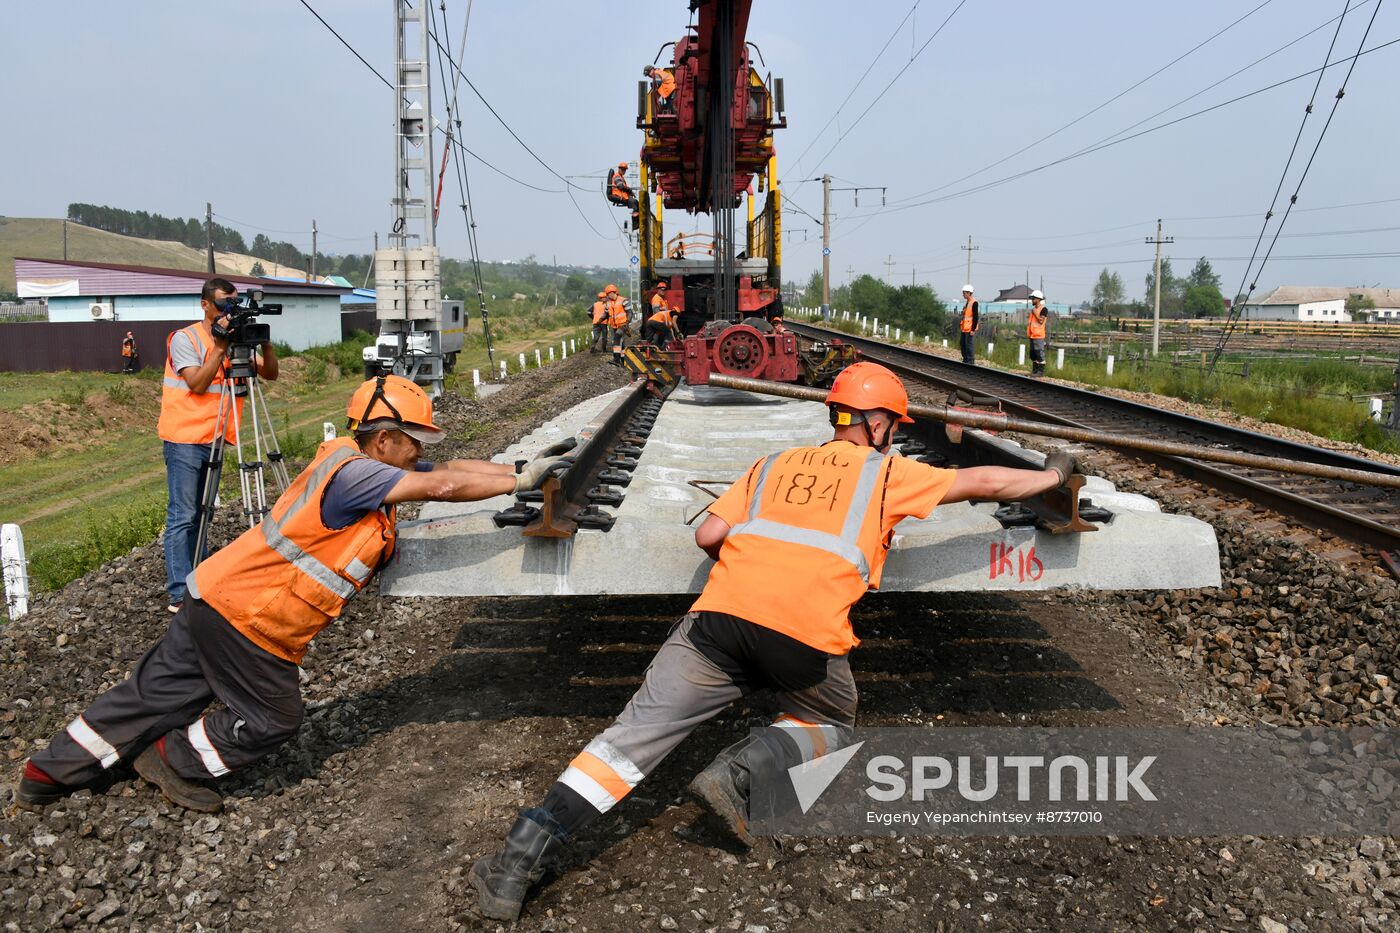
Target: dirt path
pixel 430 722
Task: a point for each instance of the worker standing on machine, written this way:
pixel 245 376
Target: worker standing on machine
pixel 1035 331
pixel 618 318
pixel 600 323
pixel 967 326
pixel 797 541
pixel 663 82
pixel 253 607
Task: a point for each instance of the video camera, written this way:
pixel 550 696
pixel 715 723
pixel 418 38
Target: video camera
pixel 243 331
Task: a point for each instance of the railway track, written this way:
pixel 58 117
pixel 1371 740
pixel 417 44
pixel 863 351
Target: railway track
pixel 1363 514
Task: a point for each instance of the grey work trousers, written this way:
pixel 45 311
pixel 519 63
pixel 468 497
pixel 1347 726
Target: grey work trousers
pixel 683 688
pixel 200 658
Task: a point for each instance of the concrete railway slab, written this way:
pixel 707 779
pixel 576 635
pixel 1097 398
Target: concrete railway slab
pixel 705 433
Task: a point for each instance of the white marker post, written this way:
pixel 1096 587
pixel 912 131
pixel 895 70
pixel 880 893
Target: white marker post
pixel 1021 355
pixel 503 370
pixel 991 348
pixel 538 364
pixel 572 348
pixel 1110 364
pixel 14 569
pixel 551 354
pixel 1060 358
pixel 945 343
pixel 476 378
pixel 327 431
pixel 522 362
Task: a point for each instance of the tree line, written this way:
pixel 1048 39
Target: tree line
pixel 914 308
pixel 1195 295
pixel 147 226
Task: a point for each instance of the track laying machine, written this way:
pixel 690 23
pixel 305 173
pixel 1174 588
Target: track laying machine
pixel 708 119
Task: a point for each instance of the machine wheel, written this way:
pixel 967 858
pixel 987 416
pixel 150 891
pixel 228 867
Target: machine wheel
pixel 741 351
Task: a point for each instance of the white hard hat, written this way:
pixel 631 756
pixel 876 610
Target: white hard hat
pixel 1038 294
pixel 967 288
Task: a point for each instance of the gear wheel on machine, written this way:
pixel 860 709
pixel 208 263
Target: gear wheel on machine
pixel 741 351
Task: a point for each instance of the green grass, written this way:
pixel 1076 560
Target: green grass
pixel 100 535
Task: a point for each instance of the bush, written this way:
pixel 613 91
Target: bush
pixel 121 393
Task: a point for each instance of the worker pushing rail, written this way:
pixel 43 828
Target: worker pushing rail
pixel 796 542
pixel 254 606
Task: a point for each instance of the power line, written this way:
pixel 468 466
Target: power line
pixel 1088 113
pixel 1252 278
pixel 837 112
pixel 913 58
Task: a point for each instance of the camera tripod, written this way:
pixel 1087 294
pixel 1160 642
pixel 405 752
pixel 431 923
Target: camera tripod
pixel 241 380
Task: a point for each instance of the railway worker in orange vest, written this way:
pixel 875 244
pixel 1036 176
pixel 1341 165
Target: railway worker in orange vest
pixel 195 363
pixel 660 327
pixel 664 83
pixel 253 607
pixel 131 360
pixel 967 326
pixel 797 541
pixel 1035 331
pixel 618 318
pixel 600 323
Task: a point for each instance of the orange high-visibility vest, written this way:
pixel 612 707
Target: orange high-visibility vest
pixel 618 185
pixel 190 417
pixel 600 311
pixel 814 515
pixel 283 581
pixel 966 324
pixel 617 313
pixel 662 316
pixel 1035 325
pixel 668 83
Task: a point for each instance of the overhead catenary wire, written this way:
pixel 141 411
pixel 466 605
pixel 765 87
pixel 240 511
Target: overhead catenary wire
pixel 1088 113
pixel 1252 277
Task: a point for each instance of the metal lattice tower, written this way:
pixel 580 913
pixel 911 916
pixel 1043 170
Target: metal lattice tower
pixel 408 273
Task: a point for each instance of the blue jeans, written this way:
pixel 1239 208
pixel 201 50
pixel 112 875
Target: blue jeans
pixel 184 464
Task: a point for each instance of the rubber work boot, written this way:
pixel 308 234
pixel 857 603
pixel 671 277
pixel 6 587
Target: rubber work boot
pixel 502 880
pixel 37 790
pixel 723 788
pixel 152 766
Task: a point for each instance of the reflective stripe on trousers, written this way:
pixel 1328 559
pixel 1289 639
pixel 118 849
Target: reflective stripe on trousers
pixel 845 544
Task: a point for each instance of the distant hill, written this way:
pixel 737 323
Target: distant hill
pixel 42 238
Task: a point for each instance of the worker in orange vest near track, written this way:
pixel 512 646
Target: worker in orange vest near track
pixel 618 318
pixel 253 607
pixel 131 360
pixel 664 83
pixel 660 327
pixel 195 362
pixel 1035 331
pixel 797 541
pixel 600 323
pixel 967 326
pixel 620 192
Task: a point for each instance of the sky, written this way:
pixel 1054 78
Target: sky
pixel 255 106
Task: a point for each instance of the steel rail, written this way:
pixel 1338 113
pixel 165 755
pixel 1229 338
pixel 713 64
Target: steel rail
pixel 1346 524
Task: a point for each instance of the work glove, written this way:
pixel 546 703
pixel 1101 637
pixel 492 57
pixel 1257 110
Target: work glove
pixel 1062 463
pixel 533 474
pixel 559 447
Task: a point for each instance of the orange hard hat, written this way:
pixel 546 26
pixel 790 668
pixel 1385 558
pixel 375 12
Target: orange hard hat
pixel 622 165
pixel 396 404
pixel 602 294
pixel 867 386
pixel 663 285
pixel 611 288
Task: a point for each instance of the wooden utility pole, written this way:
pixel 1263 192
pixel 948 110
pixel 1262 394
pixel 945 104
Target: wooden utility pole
pixel 313 249
pixel 209 233
pixel 826 247
pixel 970 250
pixel 1157 287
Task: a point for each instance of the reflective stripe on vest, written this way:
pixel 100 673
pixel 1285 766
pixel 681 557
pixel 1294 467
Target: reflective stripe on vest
pixel 188 417
pixel 271 527
pixel 843 545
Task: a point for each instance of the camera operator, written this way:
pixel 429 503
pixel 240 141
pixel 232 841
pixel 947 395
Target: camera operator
pixel 195 369
pixel 254 606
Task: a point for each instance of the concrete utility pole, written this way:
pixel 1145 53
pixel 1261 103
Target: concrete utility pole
pixel 1157 286
pixel 826 247
pixel 850 271
pixel 209 233
pixel 313 249
pixel 889 264
pixel 970 250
